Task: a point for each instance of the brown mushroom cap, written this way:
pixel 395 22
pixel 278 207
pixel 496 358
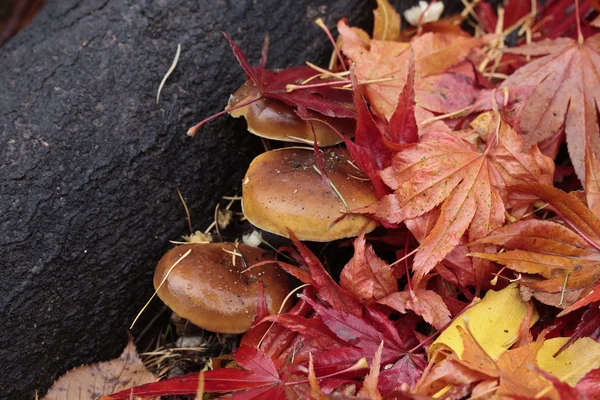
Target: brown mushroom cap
pixel 273 119
pixel 282 190
pixel 210 291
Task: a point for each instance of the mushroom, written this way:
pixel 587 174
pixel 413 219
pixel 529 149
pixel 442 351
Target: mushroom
pixel 282 191
pixel 209 288
pixel 273 119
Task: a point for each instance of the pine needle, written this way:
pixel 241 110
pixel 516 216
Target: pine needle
pixel 169 72
pixel 187 253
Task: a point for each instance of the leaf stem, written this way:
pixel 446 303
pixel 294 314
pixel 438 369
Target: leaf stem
pixel 192 131
pixel 577 20
pixel 321 24
pixel 360 364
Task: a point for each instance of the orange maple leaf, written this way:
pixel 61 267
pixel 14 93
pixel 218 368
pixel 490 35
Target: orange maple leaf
pixel 567 94
pixel 385 65
pixel 565 258
pixel 469 184
pixel 367 276
pixel 426 303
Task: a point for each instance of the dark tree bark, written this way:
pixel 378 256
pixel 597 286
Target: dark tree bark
pixel 89 164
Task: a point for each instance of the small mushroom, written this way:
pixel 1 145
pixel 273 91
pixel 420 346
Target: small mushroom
pixel 283 190
pixel 208 287
pixel 273 119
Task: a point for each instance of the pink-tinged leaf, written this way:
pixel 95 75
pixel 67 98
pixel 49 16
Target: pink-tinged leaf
pixel 94 380
pixel 369 389
pixel 326 287
pixel 446 93
pixel 367 276
pixel 589 385
pixel 403 124
pixel 565 97
pixel 592 181
pixel 490 98
pixel 425 303
pixel 435 53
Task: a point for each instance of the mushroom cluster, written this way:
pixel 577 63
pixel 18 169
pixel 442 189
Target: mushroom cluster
pixel 283 191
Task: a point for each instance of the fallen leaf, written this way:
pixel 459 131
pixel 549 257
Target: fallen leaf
pixel 357 332
pixel 385 66
pixel 567 259
pixel 435 53
pixel 589 385
pixel 572 364
pixel 442 169
pixel 101 379
pixel 592 181
pixel 518 377
pixel 494 323
pixel 259 379
pixel 367 276
pixel 369 389
pixel 425 303
pixel 327 288
pixel 387 22
pixel 589 325
pixel 590 296
pixel 265 83
pixel 567 79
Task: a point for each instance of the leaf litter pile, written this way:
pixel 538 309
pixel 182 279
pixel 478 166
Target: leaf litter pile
pixel 462 155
